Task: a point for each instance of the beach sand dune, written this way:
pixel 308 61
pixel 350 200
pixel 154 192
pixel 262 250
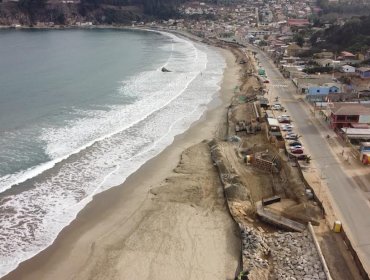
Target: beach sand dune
pixel 167 221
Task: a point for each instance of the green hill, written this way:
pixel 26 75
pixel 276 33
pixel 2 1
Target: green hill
pixel 354 36
pixel 29 12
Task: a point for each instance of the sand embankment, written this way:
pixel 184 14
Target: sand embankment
pixel 167 221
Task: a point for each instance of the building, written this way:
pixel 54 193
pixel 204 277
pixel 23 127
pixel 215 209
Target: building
pixel 363 72
pixel 348 57
pixel 324 55
pixel 258 33
pixel 348 69
pixel 321 92
pixel 348 114
pixel 326 62
pixel 298 22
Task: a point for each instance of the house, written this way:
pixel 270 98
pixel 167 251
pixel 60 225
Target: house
pixel 347 114
pixel 348 57
pixel 293 50
pixel 324 55
pixel 348 69
pixel 303 82
pixel 325 62
pixel 363 72
pixel 320 92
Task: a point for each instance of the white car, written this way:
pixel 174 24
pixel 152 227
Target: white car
pixel 292 136
pixel 276 107
pixel 284 128
pixel 287 125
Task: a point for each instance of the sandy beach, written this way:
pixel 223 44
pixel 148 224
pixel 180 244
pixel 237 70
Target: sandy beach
pixel 167 221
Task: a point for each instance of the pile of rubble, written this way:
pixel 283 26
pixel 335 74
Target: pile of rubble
pixel 255 249
pixel 281 255
pixel 294 256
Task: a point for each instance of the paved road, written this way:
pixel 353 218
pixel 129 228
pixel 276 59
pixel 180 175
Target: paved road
pixel 354 208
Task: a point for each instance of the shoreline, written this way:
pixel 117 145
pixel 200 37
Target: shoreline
pixel 94 220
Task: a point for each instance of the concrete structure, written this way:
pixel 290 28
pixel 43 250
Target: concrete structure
pixel 278 220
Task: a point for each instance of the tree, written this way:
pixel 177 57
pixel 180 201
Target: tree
pixel 32 7
pixel 298 38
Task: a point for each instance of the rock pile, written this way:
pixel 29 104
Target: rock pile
pixel 255 250
pixel 286 255
pixel 294 257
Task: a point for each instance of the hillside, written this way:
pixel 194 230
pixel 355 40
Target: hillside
pixel 354 36
pixel 29 12
pixel 343 7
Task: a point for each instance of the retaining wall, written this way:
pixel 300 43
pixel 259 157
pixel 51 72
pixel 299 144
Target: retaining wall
pixel 343 234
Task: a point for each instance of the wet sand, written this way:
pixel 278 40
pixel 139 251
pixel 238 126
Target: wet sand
pixel 167 221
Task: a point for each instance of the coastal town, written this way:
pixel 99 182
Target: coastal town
pixel 313 106
pixel 294 159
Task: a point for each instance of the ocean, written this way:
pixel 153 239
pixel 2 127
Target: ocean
pixel 81 110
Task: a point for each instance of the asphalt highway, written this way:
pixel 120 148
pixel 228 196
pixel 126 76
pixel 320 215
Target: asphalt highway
pixel 350 199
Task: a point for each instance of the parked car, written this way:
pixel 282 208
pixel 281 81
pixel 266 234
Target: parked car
pixel 296 147
pixel 283 119
pixel 277 107
pixel 294 143
pixel 296 151
pixel 287 125
pixel 301 157
pixel 286 128
pixel 280 120
pixel 292 136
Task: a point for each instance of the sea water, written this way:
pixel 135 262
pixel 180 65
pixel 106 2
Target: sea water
pixel 81 110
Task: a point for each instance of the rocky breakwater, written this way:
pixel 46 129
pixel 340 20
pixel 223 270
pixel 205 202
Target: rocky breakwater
pixel 280 256
pixel 256 253
pixel 294 256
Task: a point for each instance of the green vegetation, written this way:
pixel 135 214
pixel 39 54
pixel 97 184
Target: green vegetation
pixel 353 36
pixel 299 39
pixel 358 7
pixel 29 12
pixel 32 7
pixel 318 69
pixel 162 9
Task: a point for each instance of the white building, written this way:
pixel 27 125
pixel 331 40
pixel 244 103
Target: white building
pixel 348 69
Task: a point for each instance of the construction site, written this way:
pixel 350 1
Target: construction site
pixel 282 222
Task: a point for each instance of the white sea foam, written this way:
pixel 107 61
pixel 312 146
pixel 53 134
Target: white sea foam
pixel 103 148
pixel 153 91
